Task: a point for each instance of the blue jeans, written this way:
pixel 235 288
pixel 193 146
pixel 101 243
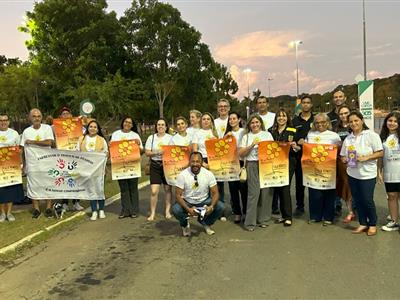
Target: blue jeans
pixel 363 197
pixel 322 204
pixel 93 204
pixel 182 216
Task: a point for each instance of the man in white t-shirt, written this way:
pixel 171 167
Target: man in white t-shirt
pixel 262 104
pixel 39 135
pixel 197 195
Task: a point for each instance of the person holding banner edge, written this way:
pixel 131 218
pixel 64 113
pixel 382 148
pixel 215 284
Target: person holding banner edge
pixel 128 187
pixel 154 151
pixel 11 193
pixel 237 189
pixel 360 151
pixel 322 200
pixel 259 201
pixel 282 131
pixel 93 141
pixel 40 135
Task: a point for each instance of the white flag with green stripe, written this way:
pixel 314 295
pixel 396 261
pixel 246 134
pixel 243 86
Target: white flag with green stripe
pixel 366 100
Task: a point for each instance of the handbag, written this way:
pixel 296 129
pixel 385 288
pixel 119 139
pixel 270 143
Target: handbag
pixel 243 171
pixel 147 165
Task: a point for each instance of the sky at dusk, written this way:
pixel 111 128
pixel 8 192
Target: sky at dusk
pixel 256 34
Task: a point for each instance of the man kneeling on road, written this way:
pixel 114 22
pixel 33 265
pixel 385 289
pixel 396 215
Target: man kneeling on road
pixel 197 195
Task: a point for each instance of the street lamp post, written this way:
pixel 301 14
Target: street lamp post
pixel 269 87
pixel 364 43
pixel 295 45
pixel 247 72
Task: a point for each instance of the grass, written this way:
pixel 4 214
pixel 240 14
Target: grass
pixel 25 225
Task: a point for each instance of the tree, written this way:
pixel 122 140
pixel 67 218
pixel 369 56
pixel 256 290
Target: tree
pixel 167 53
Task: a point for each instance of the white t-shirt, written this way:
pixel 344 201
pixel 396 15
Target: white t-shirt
pixel 366 143
pixel 326 137
pixel 220 126
pixel 268 119
pixel 391 159
pixel 248 139
pixel 44 132
pixel 192 131
pixel 9 137
pixel 238 135
pixel 119 135
pixel 195 194
pixel 180 140
pixel 154 143
pixel 200 139
pixel 90 143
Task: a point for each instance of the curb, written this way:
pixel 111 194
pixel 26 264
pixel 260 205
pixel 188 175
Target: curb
pixel 28 238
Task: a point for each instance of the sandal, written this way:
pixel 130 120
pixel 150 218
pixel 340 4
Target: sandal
pixel 350 217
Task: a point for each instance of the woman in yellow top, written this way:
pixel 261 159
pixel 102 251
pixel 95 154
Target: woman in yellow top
pixel 94 141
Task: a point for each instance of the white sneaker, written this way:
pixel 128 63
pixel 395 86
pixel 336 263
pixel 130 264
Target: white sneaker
pixel 208 230
pixel 102 215
pixel 2 218
pixel 94 216
pixel 10 217
pixel 65 207
pixel 222 219
pixel 78 207
pixel 389 218
pixel 391 226
pixel 186 230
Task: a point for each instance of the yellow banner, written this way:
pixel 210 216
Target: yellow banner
pixel 175 160
pixel 319 166
pixel 125 159
pixel 223 158
pixel 67 132
pixel 273 162
pixel 10 166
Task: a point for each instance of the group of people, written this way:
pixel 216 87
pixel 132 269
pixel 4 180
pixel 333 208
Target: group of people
pixel 364 157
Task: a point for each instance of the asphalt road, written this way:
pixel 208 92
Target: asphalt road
pixel 136 259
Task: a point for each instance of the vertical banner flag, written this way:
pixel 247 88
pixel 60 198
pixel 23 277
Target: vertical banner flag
pixel 366 100
pixel 67 132
pixel 61 174
pixel 175 160
pixel 319 166
pixel 223 158
pixel 273 162
pixel 10 166
pixel 125 159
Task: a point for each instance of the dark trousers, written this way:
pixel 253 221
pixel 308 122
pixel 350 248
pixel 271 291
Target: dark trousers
pixel 129 196
pixel 238 192
pixel 362 192
pixel 322 204
pixel 93 204
pixel 285 201
pixel 299 183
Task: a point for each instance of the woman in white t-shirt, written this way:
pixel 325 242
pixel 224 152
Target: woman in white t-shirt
pixel 206 132
pixel 195 122
pixel 11 193
pixel 360 150
pixel 389 167
pixel 93 141
pixel 128 187
pixel 181 138
pixel 237 189
pixel 154 151
pixel 322 201
pixel 259 201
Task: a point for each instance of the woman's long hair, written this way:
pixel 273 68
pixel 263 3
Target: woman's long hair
pixel 340 123
pixel 214 131
pixel 229 127
pixel 279 112
pixel 385 130
pixel 256 116
pixel 99 130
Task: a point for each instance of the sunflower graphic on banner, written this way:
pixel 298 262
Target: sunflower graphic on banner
pixel 67 132
pixel 125 159
pixel 175 160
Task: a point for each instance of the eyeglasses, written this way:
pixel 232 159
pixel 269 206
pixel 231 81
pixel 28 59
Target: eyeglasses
pixel 196 183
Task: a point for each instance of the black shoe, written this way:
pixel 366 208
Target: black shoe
pixel 36 214
pixel 48 213
pixel 298 212
pixel 122 217
pixel 134 216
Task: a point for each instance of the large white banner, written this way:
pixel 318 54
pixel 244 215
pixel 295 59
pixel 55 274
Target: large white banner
pixel 61 174
pixel 366 100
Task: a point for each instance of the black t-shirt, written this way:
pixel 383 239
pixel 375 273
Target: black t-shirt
pixel 334 118
pixel 302 126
